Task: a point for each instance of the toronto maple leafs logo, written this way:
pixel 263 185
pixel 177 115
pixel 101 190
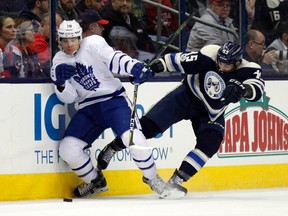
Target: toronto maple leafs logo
pixel 86 78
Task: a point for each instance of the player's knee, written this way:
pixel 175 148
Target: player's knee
pixel 138 139
pixel 149 128
pixel 71 148
pixel 208 141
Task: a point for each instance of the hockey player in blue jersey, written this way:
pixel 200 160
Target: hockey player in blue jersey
pixel 84 74
pixel 216 76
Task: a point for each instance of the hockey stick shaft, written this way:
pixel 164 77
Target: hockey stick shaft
pixel 133 114
pixel 151 62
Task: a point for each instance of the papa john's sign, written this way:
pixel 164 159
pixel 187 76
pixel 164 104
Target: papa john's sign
pixel 254 129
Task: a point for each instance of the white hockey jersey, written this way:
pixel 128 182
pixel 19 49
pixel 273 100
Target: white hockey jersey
pixel 94 82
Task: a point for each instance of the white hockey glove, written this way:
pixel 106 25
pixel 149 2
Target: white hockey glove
pixel 233 92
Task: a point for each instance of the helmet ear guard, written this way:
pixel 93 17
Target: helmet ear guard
pixel 230 53
pixel 69 29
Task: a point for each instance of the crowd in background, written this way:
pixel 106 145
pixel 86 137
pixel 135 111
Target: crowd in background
pixel 134 27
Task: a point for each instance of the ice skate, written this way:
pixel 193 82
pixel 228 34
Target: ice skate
pixel 175 184
pixel 97 185
pixel 165 190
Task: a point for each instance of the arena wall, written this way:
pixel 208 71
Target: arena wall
pixel 252 155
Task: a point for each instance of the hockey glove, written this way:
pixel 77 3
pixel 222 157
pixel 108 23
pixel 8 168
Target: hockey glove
pixel 157 66
pixel 140 73
pixel 62 72
pixel 233 92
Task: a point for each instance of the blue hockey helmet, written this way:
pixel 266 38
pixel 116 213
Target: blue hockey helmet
pixel 230 53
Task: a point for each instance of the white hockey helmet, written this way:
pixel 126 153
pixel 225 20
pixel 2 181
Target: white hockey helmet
pixel 69 29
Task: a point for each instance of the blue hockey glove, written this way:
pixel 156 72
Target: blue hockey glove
pixel 233 92
pixel 140 73
pixel 62 72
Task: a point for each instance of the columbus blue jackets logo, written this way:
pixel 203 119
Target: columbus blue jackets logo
pixel 214 85
pixel 86 77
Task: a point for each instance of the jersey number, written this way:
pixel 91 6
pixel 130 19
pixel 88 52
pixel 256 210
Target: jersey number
pixel 191 57
pixel 275 16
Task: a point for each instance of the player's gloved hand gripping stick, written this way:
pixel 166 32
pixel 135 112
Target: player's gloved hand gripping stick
pixel 136 84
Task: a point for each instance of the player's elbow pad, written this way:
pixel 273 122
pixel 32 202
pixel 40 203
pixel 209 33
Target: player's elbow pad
pixel 68 95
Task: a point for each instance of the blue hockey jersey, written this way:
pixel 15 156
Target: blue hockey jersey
pixel 207 82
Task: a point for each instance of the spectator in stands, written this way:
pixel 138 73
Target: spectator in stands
pixel 169 21
pixel 106 2
pixel 196 7
pixel 67 9
pixel 202 35
pixel 250 13
pixel 10 56
pixel 25 36
pixel 34 12
pixel 281 44
pixel 41 42
pixel 90 4
pixel 139 11
pixel 125 23
pixel 91 23
pixel 255 51
pixel 202 6
pixel 268 14
pixel 12 8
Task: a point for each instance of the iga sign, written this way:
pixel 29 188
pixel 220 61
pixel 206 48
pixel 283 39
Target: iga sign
pixel 255 129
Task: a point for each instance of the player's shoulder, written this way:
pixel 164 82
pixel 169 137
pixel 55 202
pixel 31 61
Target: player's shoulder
pixel 62 57
pixel 92 39
pixel 59 56
pixel 248 64
pixel 210 51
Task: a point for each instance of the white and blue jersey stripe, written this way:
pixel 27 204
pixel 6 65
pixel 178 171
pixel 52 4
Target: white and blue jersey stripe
pixel 95 81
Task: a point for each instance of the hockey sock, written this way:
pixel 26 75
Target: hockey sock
pixel 192 163
pixel 117 144
pixel 184 176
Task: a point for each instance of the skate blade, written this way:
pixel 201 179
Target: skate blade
pixel 101 190
pixel 173 194
pixel 91 194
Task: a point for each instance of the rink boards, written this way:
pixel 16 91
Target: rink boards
pixel 252 155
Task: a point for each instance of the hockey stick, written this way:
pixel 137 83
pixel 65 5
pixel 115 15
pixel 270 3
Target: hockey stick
pixel 132 120
pixel 136 85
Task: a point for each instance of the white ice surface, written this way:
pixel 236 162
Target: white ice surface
pixel 260 202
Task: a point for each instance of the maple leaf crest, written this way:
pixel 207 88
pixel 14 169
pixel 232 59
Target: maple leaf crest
pixel 86 77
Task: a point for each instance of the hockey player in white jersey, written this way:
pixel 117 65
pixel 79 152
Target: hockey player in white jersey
pixel 216 76
pixel 85 76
